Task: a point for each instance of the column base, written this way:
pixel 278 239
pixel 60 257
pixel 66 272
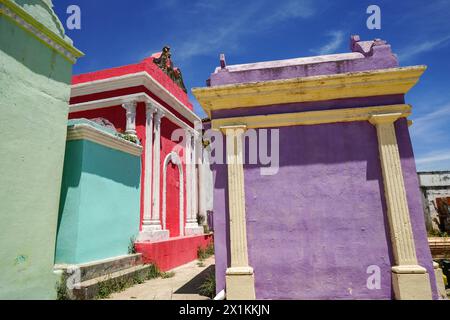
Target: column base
pixel 240 283
pixel 193 229
pixel 439 281
pixel 411 283
pixel 152 235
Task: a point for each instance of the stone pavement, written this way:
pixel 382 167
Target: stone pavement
pixel 182 286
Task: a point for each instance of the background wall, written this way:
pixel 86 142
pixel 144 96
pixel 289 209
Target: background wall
pixel 100 203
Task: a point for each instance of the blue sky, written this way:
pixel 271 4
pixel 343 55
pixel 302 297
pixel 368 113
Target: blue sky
pixel 116 33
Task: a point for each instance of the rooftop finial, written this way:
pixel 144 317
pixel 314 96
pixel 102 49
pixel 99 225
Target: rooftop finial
pixel 223 63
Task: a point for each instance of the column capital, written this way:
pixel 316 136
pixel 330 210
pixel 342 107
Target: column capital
pixel 232 129
pixel 386 118
pixel 130 106
pixel 150 108
pixel 159 114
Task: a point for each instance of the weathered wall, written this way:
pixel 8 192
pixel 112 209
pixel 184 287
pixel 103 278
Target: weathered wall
pixel 99 211
pixel 433 185
pixel 34 90
pixel 315 227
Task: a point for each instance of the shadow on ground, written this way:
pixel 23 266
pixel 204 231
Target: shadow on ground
pixel 193 286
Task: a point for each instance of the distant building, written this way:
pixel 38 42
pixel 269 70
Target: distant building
pixel 435 187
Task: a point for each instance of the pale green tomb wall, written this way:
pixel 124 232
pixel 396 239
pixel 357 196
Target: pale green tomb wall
pixel 34 90
pixel 100 203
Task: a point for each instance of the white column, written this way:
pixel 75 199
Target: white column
pixel 130 108
pixel 409 279
pixel 148 222
pixel 151 228
pixel 192 227
pixel 240 281
pixel 195 175
pixel 188 161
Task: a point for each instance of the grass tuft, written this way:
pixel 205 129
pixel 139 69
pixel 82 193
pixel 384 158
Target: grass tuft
pixel 208 287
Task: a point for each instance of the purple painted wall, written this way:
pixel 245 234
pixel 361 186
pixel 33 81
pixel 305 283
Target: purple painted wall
pixel 368 55
pixel 315 227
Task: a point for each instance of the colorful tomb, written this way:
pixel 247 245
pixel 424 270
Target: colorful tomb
pixel 36 60
pixel 341 216
pixel 147 103
pixel 100 195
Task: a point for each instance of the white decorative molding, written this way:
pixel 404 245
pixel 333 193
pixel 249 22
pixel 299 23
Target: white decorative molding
pixel 157 159
pixel 137 97
pixel 87 132
pixel 188 161
pixel 148 219
pixel 192 227
pixel 175 159
pixel 133 80
pixel 130 108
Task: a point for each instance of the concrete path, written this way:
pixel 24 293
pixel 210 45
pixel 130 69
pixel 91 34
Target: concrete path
pixel 182 286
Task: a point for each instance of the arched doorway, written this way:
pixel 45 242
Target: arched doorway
pixel 174 159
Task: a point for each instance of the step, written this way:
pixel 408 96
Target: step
pixel 100 268
pixel 89 289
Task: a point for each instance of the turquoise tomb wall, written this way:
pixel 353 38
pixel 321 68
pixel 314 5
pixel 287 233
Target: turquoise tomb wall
pixel 100 202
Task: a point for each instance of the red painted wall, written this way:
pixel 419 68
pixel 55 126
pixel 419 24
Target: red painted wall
pixel 174 252
pixel 145 65
pixel 173 178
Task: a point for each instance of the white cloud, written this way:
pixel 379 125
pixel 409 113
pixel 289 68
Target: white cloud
pixel 427 124
pixel 430 132
pixel 227 26
pixel 433 158
pixel 414 50
pixel 336 41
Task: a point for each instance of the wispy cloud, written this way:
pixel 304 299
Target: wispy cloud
pixel 417 49
pixel 228 26
pixel 433 157
pixel 431 132
pixel 336 41
pixel 426 124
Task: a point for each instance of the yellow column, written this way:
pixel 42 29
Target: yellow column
pixel 240 281
pixel 410 281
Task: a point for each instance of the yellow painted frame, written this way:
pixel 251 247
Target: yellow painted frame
pixel 312 117
pixel 316 88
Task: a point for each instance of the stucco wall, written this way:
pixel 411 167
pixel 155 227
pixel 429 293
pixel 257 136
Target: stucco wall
pixel 34 90
pixel 99 211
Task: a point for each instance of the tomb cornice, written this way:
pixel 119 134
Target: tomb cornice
pixel 314 117
pixel 317 88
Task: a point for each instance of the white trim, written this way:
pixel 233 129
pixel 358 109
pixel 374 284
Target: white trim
pixel 118 101
pixel 87 132
pixel 133 80
pixel 175 159
pixel 130 108
pixel 148 221
pixel 293 62
pixel 156 160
